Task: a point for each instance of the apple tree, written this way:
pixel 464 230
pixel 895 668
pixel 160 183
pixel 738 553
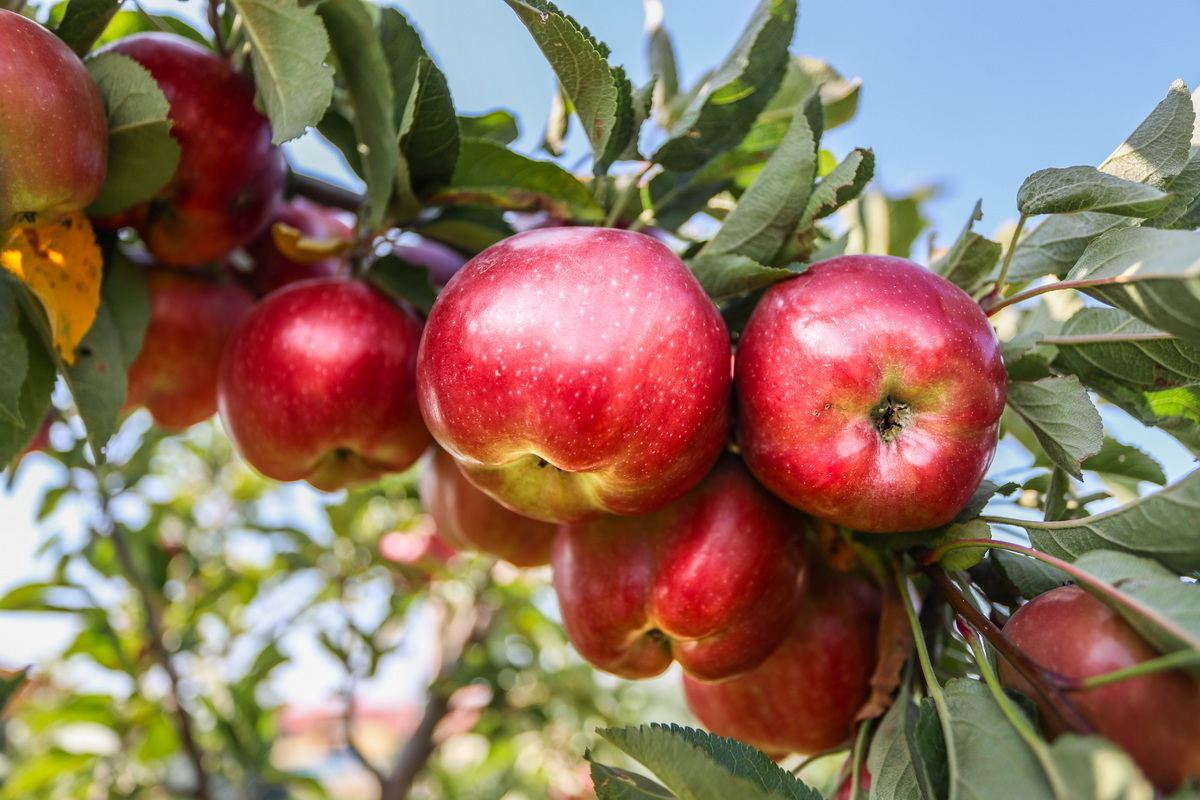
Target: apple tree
pixel 870 507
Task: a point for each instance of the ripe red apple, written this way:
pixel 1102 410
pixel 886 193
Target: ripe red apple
pixel 470 520
pixel 1154 718
pixel 191 318
pixel 441 261
pixel 712 581
pixel 869 393
pixel 53 129
pixel 804 697
pixel 229 177
pixel 317 383
pixel 272 269
pixel 577 371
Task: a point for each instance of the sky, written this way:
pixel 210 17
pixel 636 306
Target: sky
pixel 970 96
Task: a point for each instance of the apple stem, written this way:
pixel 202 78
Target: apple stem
pixel 1048 684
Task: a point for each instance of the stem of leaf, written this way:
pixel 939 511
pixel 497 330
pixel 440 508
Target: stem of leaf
pixel 1012 248
pixel 623 200
pixel 1048 287
pixel 214 22
pixel 1181 658
pixel 1108 338
pixel 856 757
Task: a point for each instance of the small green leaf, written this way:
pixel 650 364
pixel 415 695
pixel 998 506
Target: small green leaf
pixel 403 280
pixel 403 49
pixel 1158 150
pixel 10 684
pixel 971 258
pixel 499 127
pixel 723 112
pixel 844 183
pixel 897 759
pixel 1053 247
pixel 966 557
pixel 15 364
pixel 97 380
pixel 338 130
pixel 1063 418
pixel 1125 461
pixel 1095 768
pixel 1183 212
pixel 127 298
pixel 1028 576
pixel 663 65
pixel 725 275
pixel 839 96
pixel 84 22
pixel 490 174
pixel 142 155
pixel 430 145
pixel 33 400
pixel 288 45
pixel 612 783
pixel 1070 190
pixel 558 123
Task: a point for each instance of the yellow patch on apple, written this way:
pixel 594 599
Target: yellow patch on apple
pixel 61 265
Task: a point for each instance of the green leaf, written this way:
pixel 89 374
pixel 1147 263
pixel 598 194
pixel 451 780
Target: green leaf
pixel 971 258
pixel 1053 247
pixel 1028 576
pixel 601 94
pixel 338 130
pixel 403 49
pixel 142 155
pixel 97 380
pixel 1096 769
pixel 725 275
pixel 722 113
pixel 37 381
pixel 991 758
pixel 288 45
pixel 769 210
pixel 839 96
pixel 499 127
pixel 1164 526
pixel 700 766
pixel 430 146
pixel 127 298
pixel 897 759
pixel 1062 416
pixel 663 65
pixel 1152 274
pixel 558 123
pixel 1158 150
pixel 83 23
pixel 15 364
pixel 9 685
pixel 1119 460
pixel 364 67
pixel 468 229
pixel 490 174
pixel 612 783
pixel 1183 212
pixel 1070 190
pixel 843 184
pixel 403 280
pixel 1156 381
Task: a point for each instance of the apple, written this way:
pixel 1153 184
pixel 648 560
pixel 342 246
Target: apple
pixel 869 393
pixel 471 520
pixel 272 269
pixel 229 177
pixel 804 697
pixel 575 372
pixel 1154 718
pixel 318 384
pixel 441 261
pixel 712 581
pixel 53 129
pixel 192 316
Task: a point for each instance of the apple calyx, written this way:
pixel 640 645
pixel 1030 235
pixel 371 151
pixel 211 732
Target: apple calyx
pixel 891 417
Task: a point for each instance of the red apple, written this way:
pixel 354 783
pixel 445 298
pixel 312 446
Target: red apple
pixel 317 383
pixel 712 581
pixel 869 393
pixel 803 698
pixel 576 372
pixel 1154 718
pixel 441 261
pixel 53 129
pixel 470 520
pixel 272 269
pixel 191 318
pixel 229 177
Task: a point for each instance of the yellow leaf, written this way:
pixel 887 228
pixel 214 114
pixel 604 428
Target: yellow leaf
pixel 61 264
pixel 306 249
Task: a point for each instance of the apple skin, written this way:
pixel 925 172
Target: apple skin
pixel 1154 718
pixel 230 176
pixel 443 262
pixel 804 697
pixel 869 393
pixel 318 383
pixel 192 316
pixel 470 520
pixel 712 581
pixel 272 269
pixel 575 372
pixel 54 131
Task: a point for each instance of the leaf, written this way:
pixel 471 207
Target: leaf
pixel 60 263
pixel 1028 576
pixel 142 154
pixel 403 49
pixel 661 55
pixel 1152 274
pixel 33 401
pixel 844 183
pixel 558 123
pixel 288 45
pixel 1181 213
pixel 1158 150
pixel 10 685
pixel 364 67
pixel 601 94
pixel 966 557
pixel 991 758
pixel 725 275
pixel 1119 460
pixel 1062 416
pixel 499 127
pixel 730 99
pixel 1070 190
pixel 83 23
pixel 1096 769
pixel 431 143
pixel 490 174
pixel 1164 526
pixel 897 759
pixel 338 130
pixel 700 766
pixel 468 229
pixel 1055 245
pixel 127 298
pixel 611 783
pixel 15 364
pixel 769 210
pixel 839 96
pixel 97 380
pixel 971 258
pixel 403 280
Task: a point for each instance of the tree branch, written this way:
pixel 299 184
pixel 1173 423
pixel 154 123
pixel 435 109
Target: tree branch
pixel 323 192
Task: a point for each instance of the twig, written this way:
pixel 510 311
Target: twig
pixel 323 192
pixel 214 22
pixel 348 715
